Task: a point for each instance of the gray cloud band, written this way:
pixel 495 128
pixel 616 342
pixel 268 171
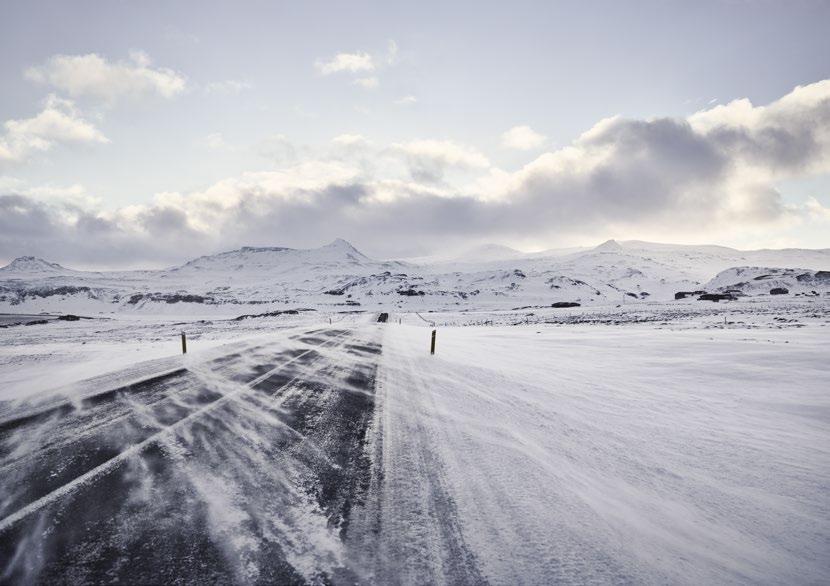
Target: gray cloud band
pixel 716 167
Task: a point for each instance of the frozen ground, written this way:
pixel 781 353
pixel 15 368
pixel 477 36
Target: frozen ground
pixel 652 443
pixel 609 454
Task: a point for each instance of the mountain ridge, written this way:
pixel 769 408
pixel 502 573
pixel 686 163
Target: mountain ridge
pixel 485 253
pixel 337 274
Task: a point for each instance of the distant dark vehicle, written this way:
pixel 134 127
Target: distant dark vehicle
pixel 383 318
pixel 778 291
pixel 565 304
pixel 717 297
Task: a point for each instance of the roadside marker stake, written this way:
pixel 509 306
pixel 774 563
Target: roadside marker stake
pixel 432 346
pixel 184 344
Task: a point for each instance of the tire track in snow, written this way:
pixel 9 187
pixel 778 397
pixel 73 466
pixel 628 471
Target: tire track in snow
pixel 408 531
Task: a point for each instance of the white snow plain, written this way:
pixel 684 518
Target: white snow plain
pixel 611 454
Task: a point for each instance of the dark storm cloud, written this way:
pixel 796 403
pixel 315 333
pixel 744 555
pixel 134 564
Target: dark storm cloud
pixel 29 226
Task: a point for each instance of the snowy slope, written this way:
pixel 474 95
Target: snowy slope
pixel 762 280
pixel 32 266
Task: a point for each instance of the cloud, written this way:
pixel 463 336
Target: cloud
pixel 429 159
pixel 716 170
pixel 215 141
pixel 278 149
pixel 522 138
pixel 350 62
pixel 92 75
pixel 368 83
pixel 228 87
pixel 816 210
pixel 391 52
pixel 350 140
pixel 711 175
pixel 406 100
pixel 359 62
pixel 75 194
pixel 57 123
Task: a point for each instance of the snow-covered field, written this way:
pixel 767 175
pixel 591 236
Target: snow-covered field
pixel 43 359
pixel 610 454
pixel 632 438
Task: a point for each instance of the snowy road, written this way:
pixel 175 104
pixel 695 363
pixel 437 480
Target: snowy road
pixel 242 470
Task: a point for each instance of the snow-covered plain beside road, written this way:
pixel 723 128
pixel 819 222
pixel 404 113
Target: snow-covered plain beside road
pixel 607 454
pixel 41 359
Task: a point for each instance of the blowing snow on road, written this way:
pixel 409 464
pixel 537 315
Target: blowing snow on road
pixel 348 454
pixel 241 469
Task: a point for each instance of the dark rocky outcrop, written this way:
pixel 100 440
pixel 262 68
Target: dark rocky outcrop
pixel 779 291
pixel 565 304
pixel 684 294
pixel 271 314
pixel 170 298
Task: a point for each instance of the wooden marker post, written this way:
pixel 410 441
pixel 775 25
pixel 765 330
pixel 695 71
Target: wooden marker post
pixel 184 344
pixel 432 345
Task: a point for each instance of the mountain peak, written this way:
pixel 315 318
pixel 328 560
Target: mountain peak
pixel 340 245
pixel 609 246
pixel 490 252
pixel 32 264
pixel 276 258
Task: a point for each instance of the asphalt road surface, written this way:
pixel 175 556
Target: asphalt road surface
pixel 246 469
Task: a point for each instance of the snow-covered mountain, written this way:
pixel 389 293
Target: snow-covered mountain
pixel 338 275
pixel 336 256
pixel 32 266
pixel 761 280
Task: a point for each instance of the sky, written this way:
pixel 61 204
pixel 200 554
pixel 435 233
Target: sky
pixel 142 134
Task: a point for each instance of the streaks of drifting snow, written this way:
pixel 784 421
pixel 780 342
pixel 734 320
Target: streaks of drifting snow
pixel 230 475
